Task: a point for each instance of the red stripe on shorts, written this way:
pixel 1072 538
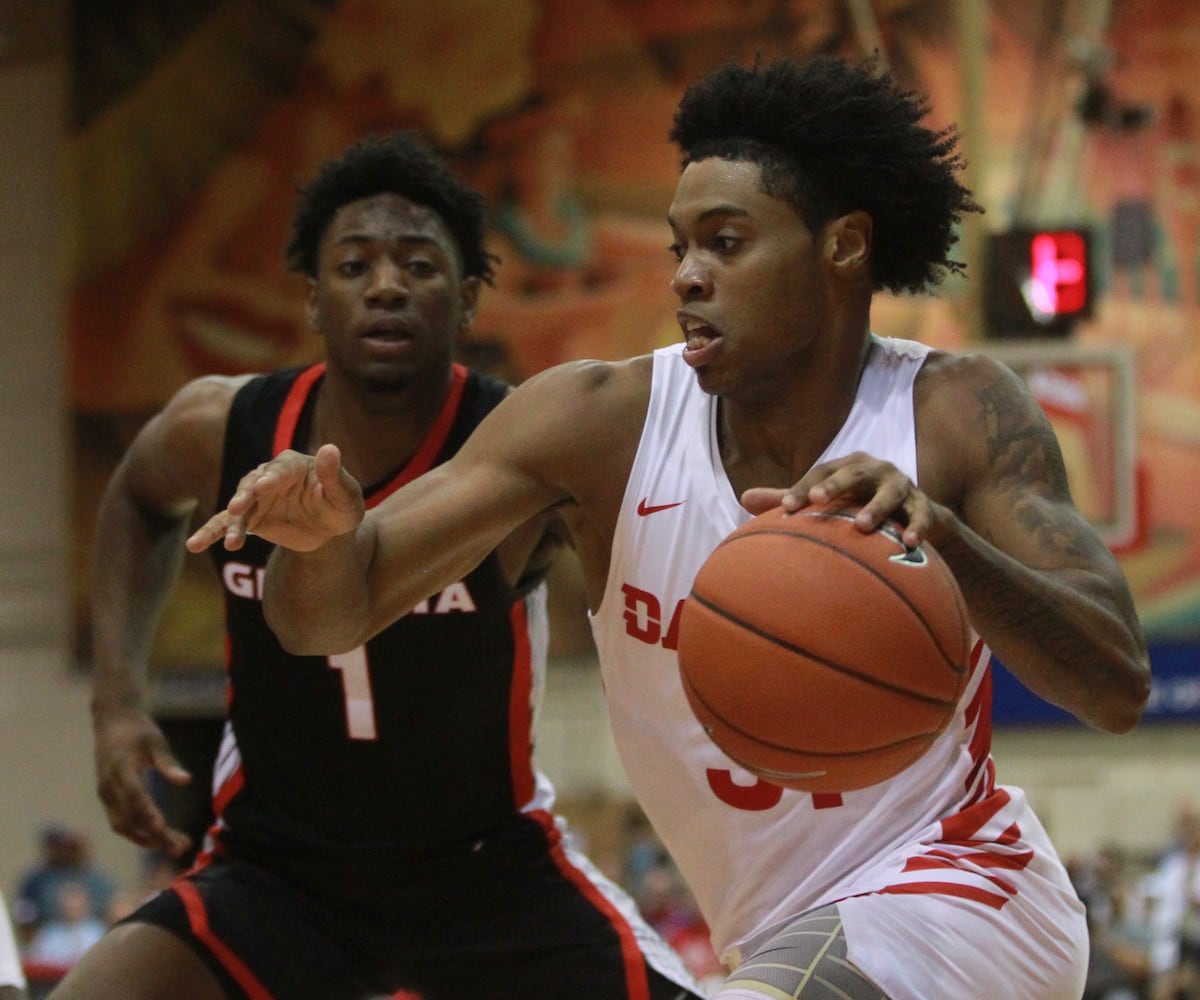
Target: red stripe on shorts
pixel 198 919
pixel 947 889
pixel 635 968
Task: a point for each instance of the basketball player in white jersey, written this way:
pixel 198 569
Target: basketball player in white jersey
pixel 12 976
pixel 805 189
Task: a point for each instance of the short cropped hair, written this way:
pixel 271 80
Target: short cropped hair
pixel 832 136
pixel 399 163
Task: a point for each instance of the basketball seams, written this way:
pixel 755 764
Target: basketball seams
pixel 898 686
pixel 964 613
pixel 840 668
pixel 932 558
pixel 949 661
pixel 922 738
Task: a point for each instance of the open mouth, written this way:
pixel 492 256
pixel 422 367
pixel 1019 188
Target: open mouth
pixel 701 342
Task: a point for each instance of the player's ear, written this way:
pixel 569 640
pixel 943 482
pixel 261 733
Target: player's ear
pixel 310 302
pixel 848 241
pixel 469 300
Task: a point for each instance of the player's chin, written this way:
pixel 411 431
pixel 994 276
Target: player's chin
pixel 389 383
pixel 711 381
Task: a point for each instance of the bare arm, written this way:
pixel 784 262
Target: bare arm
pixel 172 466
pixel 1043 589
pixel 338 574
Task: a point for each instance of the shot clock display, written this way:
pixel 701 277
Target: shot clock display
pixel 1038 282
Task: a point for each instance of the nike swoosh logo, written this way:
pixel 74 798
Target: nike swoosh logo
pixel 645 509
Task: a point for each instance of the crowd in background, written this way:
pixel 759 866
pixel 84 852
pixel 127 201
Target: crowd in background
pixel 64 902
pixel 1144 918
pixel 1143 912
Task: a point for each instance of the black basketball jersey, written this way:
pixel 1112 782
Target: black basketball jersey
pixel 415 742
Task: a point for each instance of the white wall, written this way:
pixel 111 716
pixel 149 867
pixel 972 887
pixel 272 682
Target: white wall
pixel 1091 789
pixel 45 739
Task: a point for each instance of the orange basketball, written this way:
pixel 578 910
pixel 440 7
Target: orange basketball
pixel 819 657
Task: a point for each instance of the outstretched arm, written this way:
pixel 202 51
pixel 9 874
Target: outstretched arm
pixel 172 466
pixel 310 505
pixel 339 574
pixel 1043 589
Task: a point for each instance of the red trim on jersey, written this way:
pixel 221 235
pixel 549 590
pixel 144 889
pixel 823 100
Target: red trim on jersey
pixel 976 656
pixel 520 711
pixel 929 864
pixel 229 788
pixel 964 827
pixel 987 859
pixel 947 889
pixel 635 968
pixel 1010 836
pixel 965 830
pixel 198 919
pixel 979 714
pixel 211 847
pixel 293 406
pixel 423 457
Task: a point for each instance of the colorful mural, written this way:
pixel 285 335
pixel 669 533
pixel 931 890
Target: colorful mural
pixel 194 121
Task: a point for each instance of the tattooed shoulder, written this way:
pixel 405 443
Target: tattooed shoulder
pixel 1020 442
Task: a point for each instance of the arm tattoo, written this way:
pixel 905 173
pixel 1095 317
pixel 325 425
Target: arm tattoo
pixel 1020 450
pixel 1025 457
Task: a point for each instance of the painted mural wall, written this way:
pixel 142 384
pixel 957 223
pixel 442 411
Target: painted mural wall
pixel 193 121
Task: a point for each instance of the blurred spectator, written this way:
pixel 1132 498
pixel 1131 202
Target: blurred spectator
pixel 668 906
pixel 1100 880
pixel 1175 884
pixel 62 940
pixel 12 979
pixel 1118 926
pixel 659 894
pixel 688 934
pixel 1119 963
pixel 65 857
pixel 643 850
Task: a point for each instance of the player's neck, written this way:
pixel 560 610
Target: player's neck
pixel 377 432
pixel 774 439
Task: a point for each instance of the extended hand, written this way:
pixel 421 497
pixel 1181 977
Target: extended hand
pixel 878 488
pixel 296 501
pixel 127 745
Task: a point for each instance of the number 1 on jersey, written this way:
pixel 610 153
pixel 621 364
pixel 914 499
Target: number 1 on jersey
pixel 356 687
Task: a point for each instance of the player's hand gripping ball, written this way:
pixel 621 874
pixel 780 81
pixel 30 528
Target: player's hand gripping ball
pixel 819 657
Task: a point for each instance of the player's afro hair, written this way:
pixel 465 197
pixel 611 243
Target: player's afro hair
pixel 400 163
pixel 833 136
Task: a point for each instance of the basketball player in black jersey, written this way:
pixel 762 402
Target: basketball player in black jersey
pixel 380 827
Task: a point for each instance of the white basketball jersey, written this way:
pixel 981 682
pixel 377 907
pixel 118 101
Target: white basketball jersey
pixel 756 855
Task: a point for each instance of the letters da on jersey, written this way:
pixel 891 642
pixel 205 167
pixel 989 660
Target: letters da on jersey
pixel 246 581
